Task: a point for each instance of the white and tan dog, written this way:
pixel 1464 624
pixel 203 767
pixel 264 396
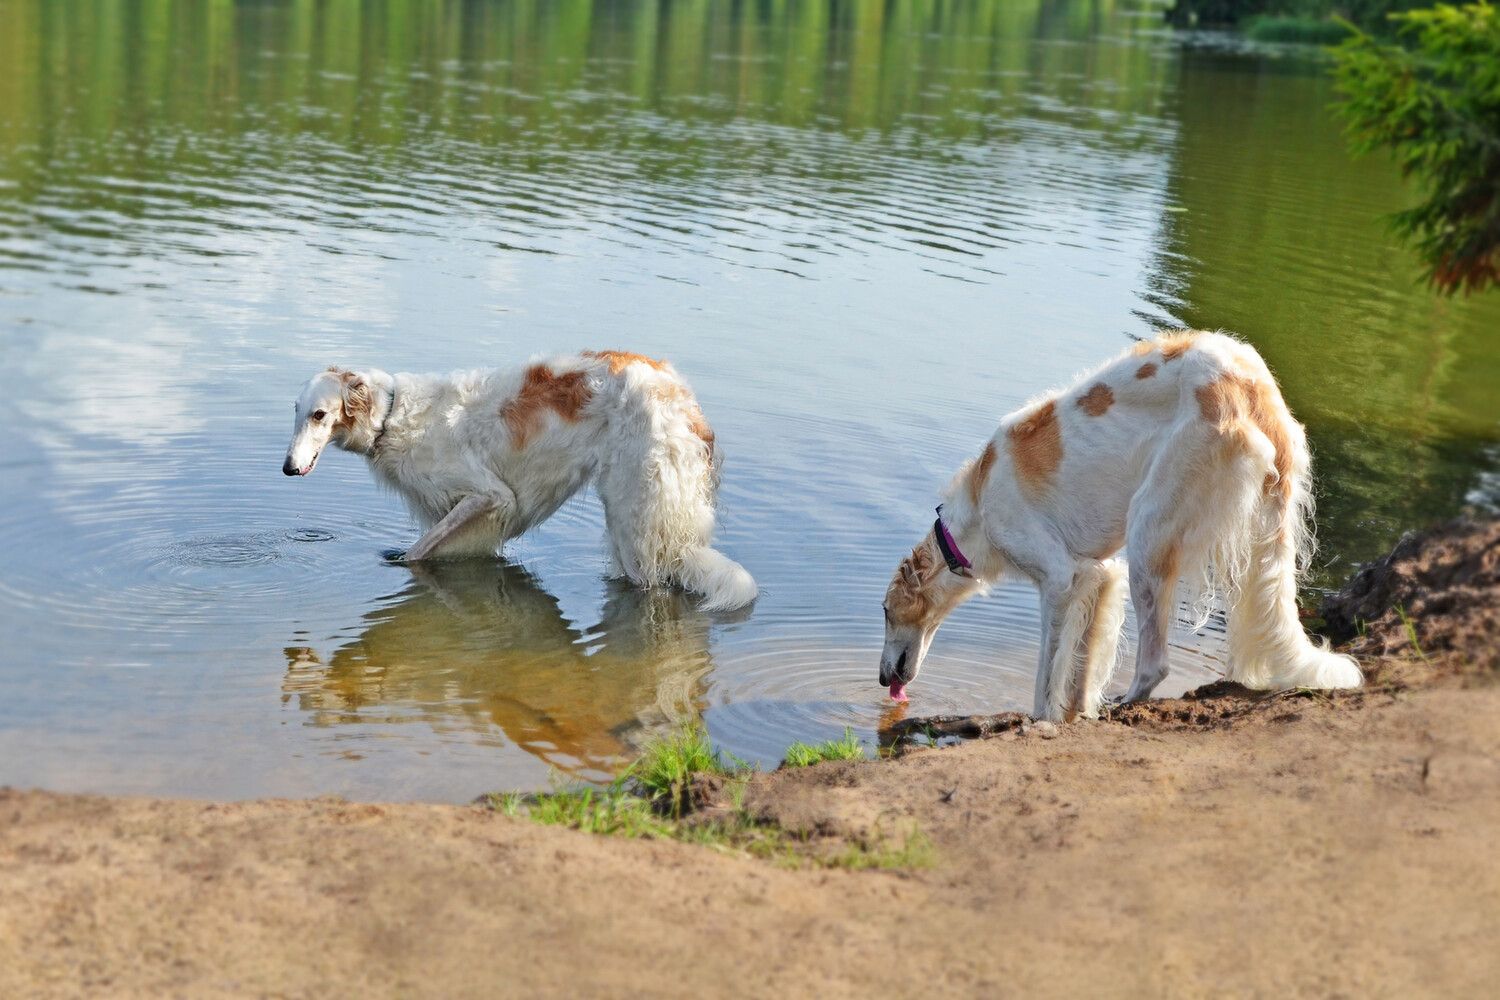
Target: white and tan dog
pixel 1181 451
pixel 480 457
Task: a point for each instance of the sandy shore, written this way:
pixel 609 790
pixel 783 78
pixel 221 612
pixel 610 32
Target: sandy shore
pixel 1308 848
pixel 1291 845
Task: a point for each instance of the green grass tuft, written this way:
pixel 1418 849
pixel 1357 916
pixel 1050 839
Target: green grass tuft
pixel 507 803
pixel 668 764
pixel 1304 30
pixel 650 800
pixel 846 747
pixel 611 811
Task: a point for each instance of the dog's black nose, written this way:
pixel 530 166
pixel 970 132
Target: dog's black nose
pixel 893 672
pixel 287 468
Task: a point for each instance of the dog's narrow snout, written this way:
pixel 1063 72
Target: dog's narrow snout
pixel 287 468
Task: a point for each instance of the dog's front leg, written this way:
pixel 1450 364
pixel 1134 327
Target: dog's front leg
pixel 1054 611
pixel 1080 633
pixel 462 517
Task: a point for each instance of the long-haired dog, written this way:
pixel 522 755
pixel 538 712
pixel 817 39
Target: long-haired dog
pixel 481 457
pixel 1181 451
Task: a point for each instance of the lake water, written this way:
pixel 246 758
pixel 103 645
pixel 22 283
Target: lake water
pixel 863 231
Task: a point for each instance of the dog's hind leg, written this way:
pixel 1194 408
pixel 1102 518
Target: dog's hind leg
pixel 1153 592
pixel 1172 521
pixel 472 527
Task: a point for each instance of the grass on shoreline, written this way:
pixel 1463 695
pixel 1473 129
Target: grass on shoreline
pixel 665 770
pixel 846 747
pixel 653 799
pixel 609 812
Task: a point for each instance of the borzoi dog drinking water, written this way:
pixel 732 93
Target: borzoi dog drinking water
pixel 481 457
pixel 1183 452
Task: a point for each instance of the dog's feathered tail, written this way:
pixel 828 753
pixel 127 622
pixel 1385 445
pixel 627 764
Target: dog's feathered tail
pixel 668 494
pixel 724 583
pixel 1263 543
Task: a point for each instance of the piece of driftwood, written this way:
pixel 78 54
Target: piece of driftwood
pixel 970 727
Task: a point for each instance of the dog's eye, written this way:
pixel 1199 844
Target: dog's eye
pixel 318 415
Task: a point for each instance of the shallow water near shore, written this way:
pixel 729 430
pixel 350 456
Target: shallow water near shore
pixel 863 233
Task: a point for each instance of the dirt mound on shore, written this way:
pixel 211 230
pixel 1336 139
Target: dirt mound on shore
pixel 1441 587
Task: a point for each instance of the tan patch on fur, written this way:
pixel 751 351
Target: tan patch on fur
pixel 676 392
pixel 1097 400
pixel 1233 402
pixel 669 392
pixel 700 428
pixel 1036 447
pixel 1220 400
pixel 981 472
pixel 1171 345
pixel 1146 370
pixel 618 361
pixel 1175 345
pixel 566 395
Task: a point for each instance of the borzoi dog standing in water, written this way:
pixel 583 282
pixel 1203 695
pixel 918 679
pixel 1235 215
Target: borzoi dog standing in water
pixel 481 457
pixel 1183 452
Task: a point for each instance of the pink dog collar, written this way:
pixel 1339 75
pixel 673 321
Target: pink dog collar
pixel 955 559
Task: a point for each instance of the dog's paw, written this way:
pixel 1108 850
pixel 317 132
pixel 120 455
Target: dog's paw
pixel 394 557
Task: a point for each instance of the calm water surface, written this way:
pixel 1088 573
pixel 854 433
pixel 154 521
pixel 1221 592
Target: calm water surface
pixel 864 231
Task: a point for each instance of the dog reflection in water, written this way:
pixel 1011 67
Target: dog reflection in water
pixel 480 645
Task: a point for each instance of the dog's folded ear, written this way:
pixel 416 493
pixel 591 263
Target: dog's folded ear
pixel 356 394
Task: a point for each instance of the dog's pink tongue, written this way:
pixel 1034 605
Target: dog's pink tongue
pixel 898 691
